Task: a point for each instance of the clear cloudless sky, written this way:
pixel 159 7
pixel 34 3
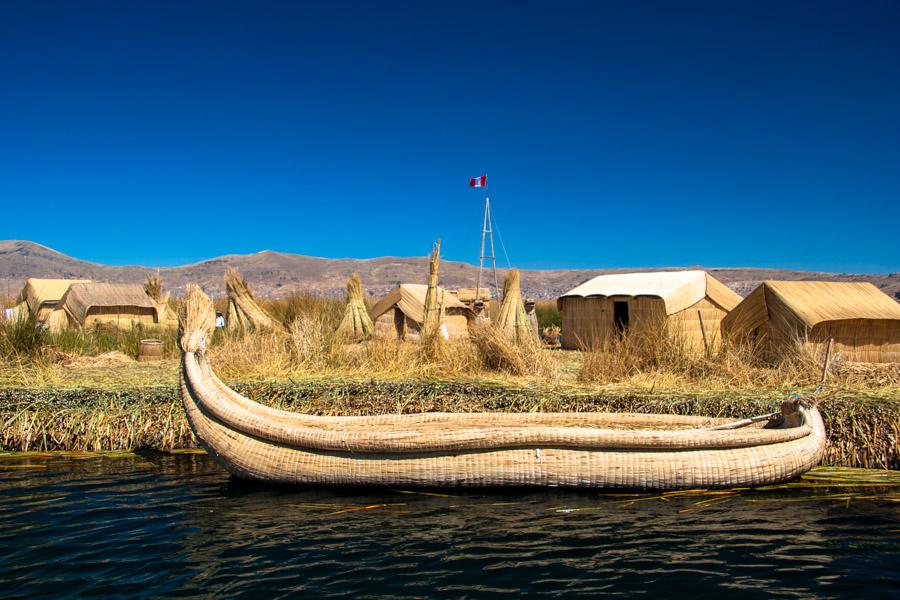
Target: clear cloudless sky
pixel 630 134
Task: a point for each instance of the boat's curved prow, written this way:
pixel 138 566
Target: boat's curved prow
pixel 478 449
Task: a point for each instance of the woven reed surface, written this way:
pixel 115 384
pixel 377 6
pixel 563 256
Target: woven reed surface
pixel 424 451
pixel 771 312
pixel 126 298
pixel 473 431
pixel 587 322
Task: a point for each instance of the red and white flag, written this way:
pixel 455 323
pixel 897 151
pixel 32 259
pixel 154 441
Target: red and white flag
pixel 478 181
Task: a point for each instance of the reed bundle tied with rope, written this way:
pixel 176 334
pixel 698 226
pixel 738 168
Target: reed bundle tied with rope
pixel 243 311
pixel 356 324
pixel 432 320
pixel 513 321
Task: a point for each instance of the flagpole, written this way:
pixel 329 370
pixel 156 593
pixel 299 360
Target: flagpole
pixel 483 230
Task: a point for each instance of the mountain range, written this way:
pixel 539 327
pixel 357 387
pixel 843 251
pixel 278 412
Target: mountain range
pixel 279 274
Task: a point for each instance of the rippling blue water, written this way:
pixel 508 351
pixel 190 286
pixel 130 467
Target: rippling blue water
pixel 164 525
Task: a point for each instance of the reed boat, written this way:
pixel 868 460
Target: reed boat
pixel 596 450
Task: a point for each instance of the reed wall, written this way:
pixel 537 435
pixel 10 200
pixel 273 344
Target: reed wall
pixel 587 322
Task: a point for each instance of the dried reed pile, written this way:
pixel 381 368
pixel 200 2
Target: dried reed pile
pixel 243 311
pixel 498 353
pixel 153 288
pixel 356 324
pixel 513 321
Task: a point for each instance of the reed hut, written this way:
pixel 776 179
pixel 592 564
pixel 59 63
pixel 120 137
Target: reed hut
pixel 43 296
pixel 121 305
pixel 687 304
pixel 356 324
pixel 243 310
pixel 401 314
pixel 863 321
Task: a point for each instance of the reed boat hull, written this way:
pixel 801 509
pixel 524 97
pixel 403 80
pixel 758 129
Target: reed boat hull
pixel 262 444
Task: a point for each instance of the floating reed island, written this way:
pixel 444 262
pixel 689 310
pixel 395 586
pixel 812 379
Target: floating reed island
pixel 863 431
pixel 484 361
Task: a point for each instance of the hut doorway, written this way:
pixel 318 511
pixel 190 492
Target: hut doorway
pixel 620 316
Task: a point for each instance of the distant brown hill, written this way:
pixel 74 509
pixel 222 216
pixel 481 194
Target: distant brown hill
pixel 278 274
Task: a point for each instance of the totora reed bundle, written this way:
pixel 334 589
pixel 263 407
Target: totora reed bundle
pixel 356 324
pixel 153 288
pixel 513 321
pixel 198 319
pixel 432 320
pixel 243 311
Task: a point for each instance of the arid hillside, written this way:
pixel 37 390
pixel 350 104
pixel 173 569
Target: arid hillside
pixel 278 274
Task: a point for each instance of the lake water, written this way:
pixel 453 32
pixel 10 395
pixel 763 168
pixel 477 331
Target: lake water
pixel 163 525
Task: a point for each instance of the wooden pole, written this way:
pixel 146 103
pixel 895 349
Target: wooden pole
pixel 827 360
pixel 703 331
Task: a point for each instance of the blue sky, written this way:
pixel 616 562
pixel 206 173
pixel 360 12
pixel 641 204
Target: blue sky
pixel 614 134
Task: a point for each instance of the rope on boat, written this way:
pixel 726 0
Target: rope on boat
pixel 776 417
pixel 771 417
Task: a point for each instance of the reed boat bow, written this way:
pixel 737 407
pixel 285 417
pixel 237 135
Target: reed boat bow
pixel 662 452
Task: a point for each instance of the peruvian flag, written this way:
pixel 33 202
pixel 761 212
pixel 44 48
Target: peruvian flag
pixel 478 181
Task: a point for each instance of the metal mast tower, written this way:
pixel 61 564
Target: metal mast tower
pixel 487 231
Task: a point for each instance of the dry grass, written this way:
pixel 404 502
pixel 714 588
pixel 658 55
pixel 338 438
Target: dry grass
pixel 308 348
pixel 497 352
pixel 668 361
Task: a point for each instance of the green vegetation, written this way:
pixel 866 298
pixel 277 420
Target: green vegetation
pixel 547 314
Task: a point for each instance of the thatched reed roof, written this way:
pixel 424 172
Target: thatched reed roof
pixel 82 297
pixel 38 293
pixel 410 299
pixel 471 294
pixel 811 303
pixel 677 289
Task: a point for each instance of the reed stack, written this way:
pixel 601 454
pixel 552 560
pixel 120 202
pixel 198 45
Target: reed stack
pixel 513 321
pixel 153 288
pixel 356 324
pixel 243 311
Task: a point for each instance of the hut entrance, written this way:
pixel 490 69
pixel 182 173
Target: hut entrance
pixel 400 323
pixel 620 315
